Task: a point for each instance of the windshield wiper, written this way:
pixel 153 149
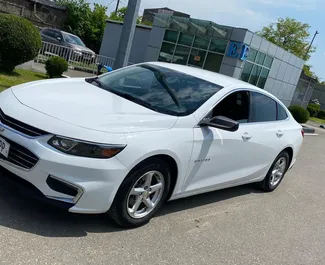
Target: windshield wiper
pixel 94 80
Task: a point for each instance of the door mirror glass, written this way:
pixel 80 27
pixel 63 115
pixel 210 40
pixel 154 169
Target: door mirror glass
pixel 222 123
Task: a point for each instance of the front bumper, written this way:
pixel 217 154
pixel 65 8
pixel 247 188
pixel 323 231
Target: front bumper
pixel 96 181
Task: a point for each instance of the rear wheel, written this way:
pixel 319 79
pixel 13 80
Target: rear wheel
pixel 141 194
pixel 276 172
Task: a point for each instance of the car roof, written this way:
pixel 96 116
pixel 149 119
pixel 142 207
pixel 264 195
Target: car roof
pixel 59 30
pixel 212 77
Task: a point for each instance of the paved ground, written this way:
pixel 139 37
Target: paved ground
pixel 234 226
pixel 38 67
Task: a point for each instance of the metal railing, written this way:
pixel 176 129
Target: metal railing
pixel 77 59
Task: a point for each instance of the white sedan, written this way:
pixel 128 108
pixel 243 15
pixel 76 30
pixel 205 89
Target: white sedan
pixel 129 140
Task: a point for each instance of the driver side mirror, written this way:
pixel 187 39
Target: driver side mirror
pixel 221 122
pixel 59 38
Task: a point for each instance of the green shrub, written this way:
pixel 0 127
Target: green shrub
pixel 321 114
pixel 312 111
pixel 313 105
pixel 20 41
pixel 300 114
pixel 56 66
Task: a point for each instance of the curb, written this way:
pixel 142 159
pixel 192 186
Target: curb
pixel 308 129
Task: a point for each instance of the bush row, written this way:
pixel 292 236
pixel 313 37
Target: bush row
pixel 302 115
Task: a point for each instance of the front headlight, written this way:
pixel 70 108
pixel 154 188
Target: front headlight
pixel 84 149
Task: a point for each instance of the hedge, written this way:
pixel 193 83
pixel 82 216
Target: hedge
pixel 20 41
pixel 300 114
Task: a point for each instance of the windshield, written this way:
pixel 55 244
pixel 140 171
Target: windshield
pixel 159 88
pixel 73 39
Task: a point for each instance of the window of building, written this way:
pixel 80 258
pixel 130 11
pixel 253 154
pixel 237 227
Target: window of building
pixel 246 71
pixel 186 39
pixel 171 36
pixel 201 42
pixel 213 62
pixel 181 55
pixel 262 108
pixel 190 49
pixel 255 74
pixel 166 52
pixel 218 45
pixel 256 68
pixel 262 79
pixel 197 57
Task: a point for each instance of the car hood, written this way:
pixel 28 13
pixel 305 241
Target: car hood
pixel 81 48
pixel 79 103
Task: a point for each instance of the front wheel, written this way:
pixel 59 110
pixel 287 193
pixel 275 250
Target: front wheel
pixel 141 194
pixel 276 172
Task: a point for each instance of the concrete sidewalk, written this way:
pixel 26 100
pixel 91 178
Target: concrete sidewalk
pixel 39 67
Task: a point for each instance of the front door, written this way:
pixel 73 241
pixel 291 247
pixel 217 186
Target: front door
pixel 220 157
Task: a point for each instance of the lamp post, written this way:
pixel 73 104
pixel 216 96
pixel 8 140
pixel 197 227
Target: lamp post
pixel 128 30
pixel 311 43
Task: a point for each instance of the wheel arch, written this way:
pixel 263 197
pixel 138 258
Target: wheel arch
pixel 289 150
pixel 170 161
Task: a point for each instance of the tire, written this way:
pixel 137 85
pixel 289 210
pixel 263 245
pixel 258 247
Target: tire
pixel 135 182
pixel 270 183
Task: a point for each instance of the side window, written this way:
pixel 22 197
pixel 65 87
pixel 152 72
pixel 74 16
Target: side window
pixel 282 114
pixel 262 108
pixel 46 32
pixel 57 34
pixel 235 106
pixel 50 33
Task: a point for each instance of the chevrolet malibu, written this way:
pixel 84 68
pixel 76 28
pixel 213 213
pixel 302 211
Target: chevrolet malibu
pixel 127 141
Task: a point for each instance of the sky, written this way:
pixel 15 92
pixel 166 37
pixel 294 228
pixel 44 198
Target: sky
pixel 250 14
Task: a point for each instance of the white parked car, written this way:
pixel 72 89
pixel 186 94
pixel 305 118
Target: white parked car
pixel 129 140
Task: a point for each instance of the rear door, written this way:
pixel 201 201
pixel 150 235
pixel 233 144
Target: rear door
pixel 265 133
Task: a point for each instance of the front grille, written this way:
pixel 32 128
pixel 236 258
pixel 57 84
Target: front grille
pixel 20 126
pixel 20 156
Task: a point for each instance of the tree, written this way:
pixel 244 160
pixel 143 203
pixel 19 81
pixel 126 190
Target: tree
pixel 120 15
pixel 308 72
pixel 88 24
pixel 291 35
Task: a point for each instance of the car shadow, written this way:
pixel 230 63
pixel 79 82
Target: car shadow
pixel 206 199
pixel 25 214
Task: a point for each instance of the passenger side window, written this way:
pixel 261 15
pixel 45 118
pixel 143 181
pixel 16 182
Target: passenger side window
pixel 282 114
pixel 57 35
pixel 262 108
pixel 46 32
pixel 235 106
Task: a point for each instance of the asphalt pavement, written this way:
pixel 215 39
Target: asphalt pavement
pixel 234 226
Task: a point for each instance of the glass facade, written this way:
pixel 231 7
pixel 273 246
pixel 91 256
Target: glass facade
pixel 256 68
pixel 203 44
pixel 194 42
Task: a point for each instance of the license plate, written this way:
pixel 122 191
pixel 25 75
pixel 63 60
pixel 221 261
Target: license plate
pixel 4 147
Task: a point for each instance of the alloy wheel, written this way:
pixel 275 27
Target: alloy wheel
pixel 145 194
pixel 278 171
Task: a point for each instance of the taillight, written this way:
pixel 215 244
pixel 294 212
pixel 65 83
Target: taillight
pixel 302 133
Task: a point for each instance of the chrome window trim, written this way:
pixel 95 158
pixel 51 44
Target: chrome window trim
pixel 247 123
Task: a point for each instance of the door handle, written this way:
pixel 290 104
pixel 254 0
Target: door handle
pixel 279 133
pixel 246 136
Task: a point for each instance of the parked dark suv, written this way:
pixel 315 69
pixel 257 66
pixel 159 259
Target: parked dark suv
pixel 73 47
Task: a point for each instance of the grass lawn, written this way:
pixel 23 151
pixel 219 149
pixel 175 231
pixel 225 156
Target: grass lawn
pixel 17 77
pixel 317 120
